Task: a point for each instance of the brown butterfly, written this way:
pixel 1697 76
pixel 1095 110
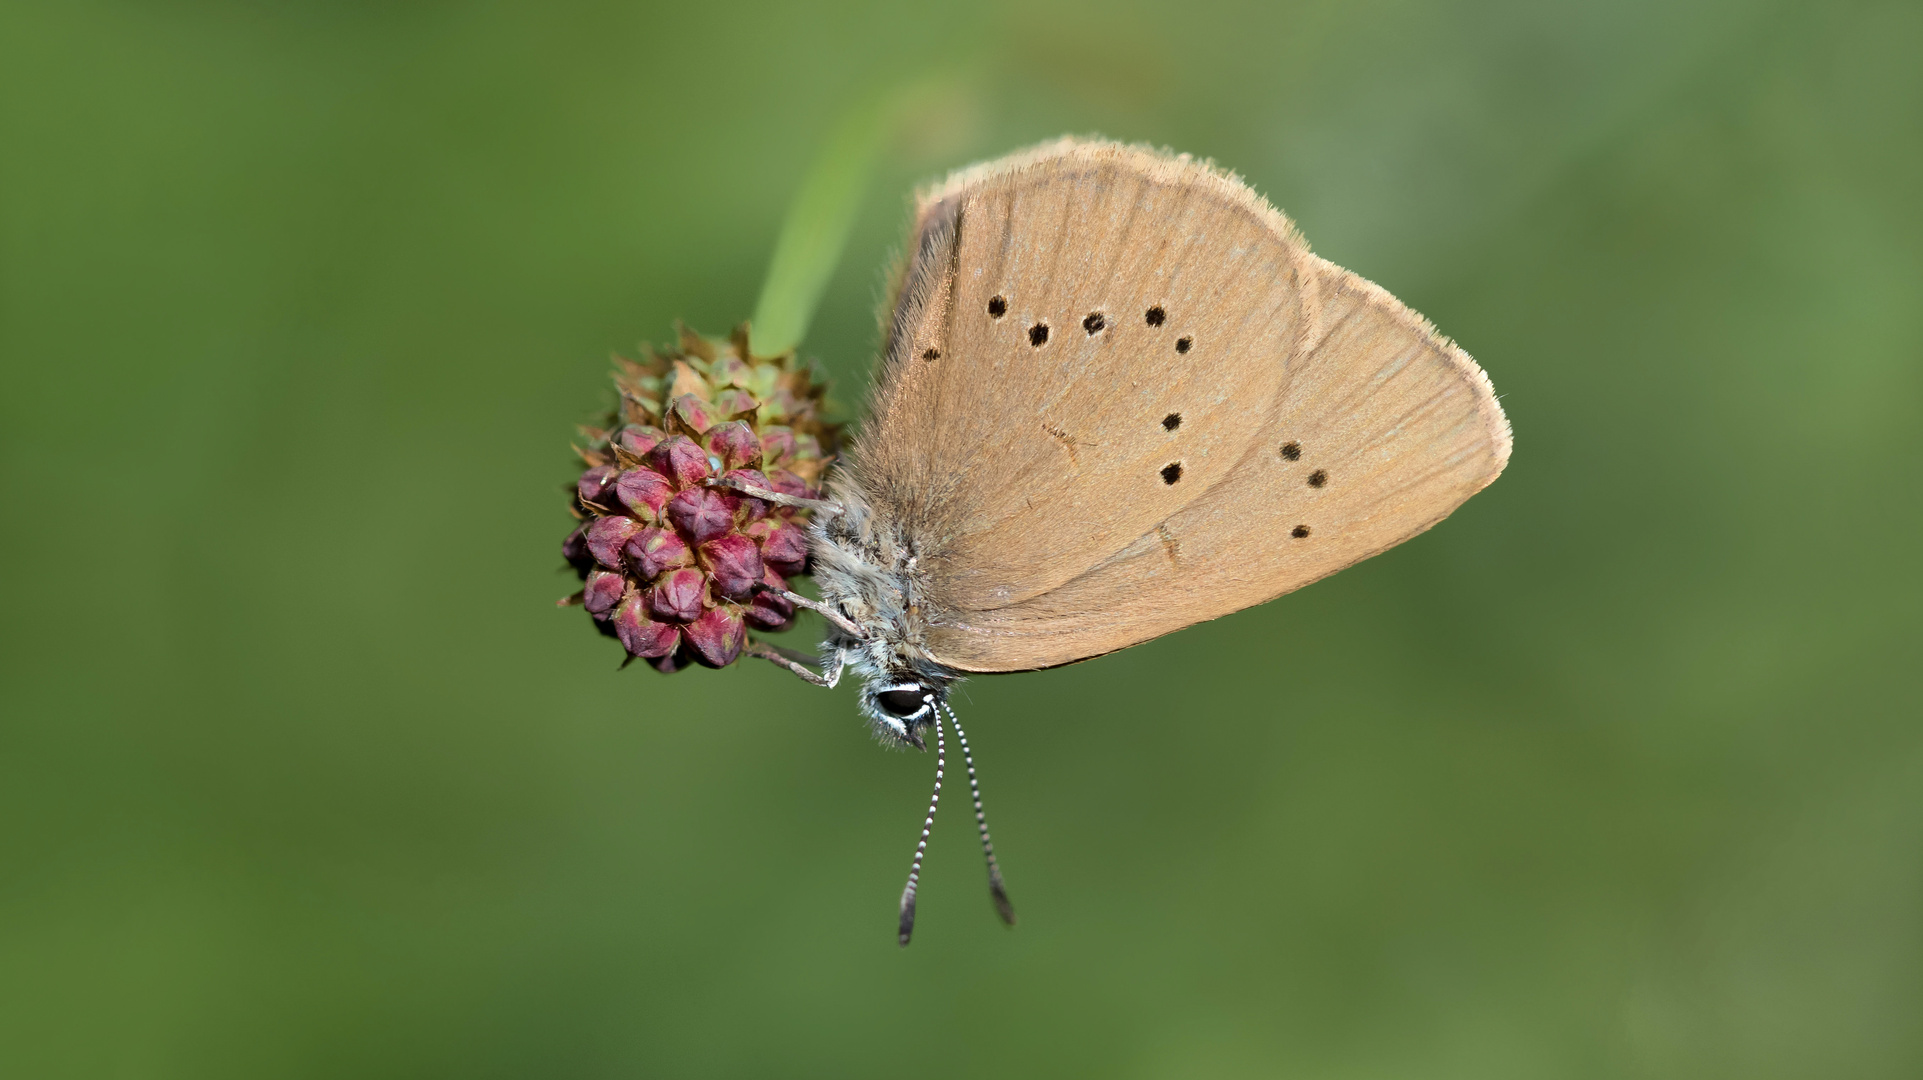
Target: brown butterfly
pixel 1118 396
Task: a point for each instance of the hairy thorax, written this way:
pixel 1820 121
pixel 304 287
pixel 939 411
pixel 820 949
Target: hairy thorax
pixel 868 569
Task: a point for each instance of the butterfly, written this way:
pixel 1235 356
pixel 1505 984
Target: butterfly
pixel 1117 396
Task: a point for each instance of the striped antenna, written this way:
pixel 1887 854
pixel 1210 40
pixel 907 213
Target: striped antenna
pixel 996 890
pixel 921 849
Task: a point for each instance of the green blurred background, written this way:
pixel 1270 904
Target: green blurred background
pixel 1616 773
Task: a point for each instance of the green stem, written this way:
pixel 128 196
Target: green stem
pixel 822 214
pixel 816 229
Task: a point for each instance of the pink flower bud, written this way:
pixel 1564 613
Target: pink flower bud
pixel 594 484
pixel 734 565
pixel 681 461
pixel 644 492
pixel 751 509
pixel 784 546
pixel 641 635
pixel 638 439
pixel 729 371
pixel 607 535
pixel 781 405
pixel 735 403
pixel 777 445
pixel 603 591
pixel 674 661
pixel 807 448
pixel 702 513
pixel 768 611
pixel 653 552
pixel 789 484
pixel 717 636
pixel 677 596
pixel 735 444
pixel 691 414
pixel 575 550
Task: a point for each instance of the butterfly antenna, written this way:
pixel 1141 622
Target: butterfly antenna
pixel 921 849
pixel 996 890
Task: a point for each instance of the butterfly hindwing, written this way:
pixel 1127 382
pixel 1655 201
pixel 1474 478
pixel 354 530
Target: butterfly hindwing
pixel 1382 430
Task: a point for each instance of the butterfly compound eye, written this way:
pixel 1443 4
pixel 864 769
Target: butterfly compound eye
pixel 902 703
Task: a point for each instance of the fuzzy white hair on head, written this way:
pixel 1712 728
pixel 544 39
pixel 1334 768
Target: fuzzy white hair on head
pixel 868 572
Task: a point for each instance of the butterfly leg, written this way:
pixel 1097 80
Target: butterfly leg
pixel 795 662
pixel 823 506
pixel 827 611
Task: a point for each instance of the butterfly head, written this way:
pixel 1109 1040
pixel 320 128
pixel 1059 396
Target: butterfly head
pixel 899 710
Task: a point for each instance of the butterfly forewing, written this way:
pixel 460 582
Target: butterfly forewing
pixel 1244 419
pixel 1087 345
